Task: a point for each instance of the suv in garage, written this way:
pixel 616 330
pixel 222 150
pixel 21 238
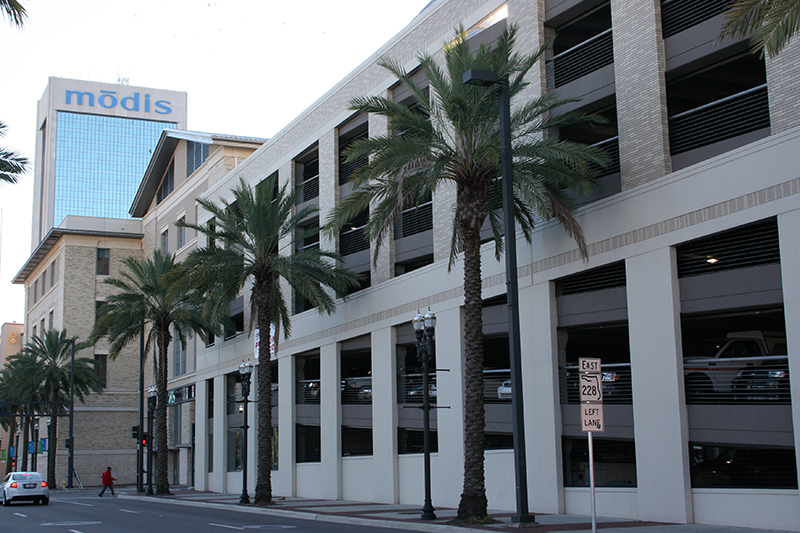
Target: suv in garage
pixel 711 366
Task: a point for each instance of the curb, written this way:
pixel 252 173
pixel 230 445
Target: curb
pixel 300 515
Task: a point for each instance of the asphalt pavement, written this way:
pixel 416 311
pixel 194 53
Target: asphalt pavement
pixel 407 517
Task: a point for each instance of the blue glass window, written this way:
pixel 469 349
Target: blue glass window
pixel 100 162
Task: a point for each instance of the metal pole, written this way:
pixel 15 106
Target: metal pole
pixel 71 457
pixel 245 498
pixel 512 291
pixel 424 344
pixel 139 447
pixel 591 483
pixel 150 407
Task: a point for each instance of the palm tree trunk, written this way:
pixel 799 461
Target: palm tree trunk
pixel 473 502
pixel 162 458
pixel 263 494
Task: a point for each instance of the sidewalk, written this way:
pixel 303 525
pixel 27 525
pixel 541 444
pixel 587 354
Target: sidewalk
pixel 382 515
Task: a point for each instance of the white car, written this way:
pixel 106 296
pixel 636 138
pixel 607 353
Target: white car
pixel 504 390
pixel 25 486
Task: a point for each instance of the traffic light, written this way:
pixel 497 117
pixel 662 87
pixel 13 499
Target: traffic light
pixel 14 463
pixel 68 443
pixel 134 432
pixel 145 436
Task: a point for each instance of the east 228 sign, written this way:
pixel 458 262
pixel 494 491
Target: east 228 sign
pixel 109 100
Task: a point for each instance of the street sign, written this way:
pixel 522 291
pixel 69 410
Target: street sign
pixel 43 444
pixel 592 417
pixel 31 447
pixel 591 388
pixel 589 364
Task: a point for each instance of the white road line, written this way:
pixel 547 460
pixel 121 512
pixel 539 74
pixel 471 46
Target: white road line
pixel 225 526
pixel 22 515
pixel 129 511
pixel 75 531
pixel 75 503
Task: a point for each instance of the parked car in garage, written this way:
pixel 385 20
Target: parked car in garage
pixel 25 486
pixel 763 383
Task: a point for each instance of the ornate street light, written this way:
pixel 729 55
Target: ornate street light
pixel 151 407
pixel 424 327
pixel 245 369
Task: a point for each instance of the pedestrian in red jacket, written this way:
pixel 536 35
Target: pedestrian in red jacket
pixel 108 482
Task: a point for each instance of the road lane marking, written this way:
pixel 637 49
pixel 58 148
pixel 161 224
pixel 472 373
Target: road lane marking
pixel 75 531
pixel 73 523
pixel 129 511
pixel 225 526
pixel 75 503
pixel 22 515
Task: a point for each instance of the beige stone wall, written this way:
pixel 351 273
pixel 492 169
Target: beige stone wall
pixel 783 78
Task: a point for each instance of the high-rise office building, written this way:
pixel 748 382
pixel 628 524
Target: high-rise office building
pixel 93 143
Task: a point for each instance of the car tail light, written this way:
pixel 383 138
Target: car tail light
pixel 44 483
pixel 13 485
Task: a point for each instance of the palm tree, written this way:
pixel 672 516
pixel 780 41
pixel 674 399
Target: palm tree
pixel 452 138
pixel 12 165
pixel 149 303
pixel 15 11
pixel 44 366
pixel 769 23
pixel 8 423
pixel 251 229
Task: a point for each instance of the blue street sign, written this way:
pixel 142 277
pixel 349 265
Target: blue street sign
pixel 31 447
pixel 13 451
pixel 43 444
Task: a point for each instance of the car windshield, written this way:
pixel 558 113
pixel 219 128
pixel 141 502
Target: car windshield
pixel 707 348
pixel 26 476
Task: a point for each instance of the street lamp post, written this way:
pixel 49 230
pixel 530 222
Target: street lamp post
pixel 486 78
pixel 151 407
pixel 245 369
pixel 140 436
pixel 424 328
pixel 71 438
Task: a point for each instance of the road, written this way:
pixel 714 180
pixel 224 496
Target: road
pixel 84 512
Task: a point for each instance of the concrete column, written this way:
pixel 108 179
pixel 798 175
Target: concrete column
pixel 384 416
pixel 639 65
pixel 217 479
pixel 201 436
pixel 447 466
pixel 285 479
pixel 659 406
pixel 783 79
pixel 382 269
pixel 538 321
pixel 790 266
pixel 330 415
pixel 328 184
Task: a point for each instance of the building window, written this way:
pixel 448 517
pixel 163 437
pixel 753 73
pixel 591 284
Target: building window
pixel 235 449
pixel 181 233
pixel 178 425
pixel 33 331
pixel 103 260
pixel 196 154
pixel 179 358
pixel 35 290
pixel 53 273
pixel 100 309
pixel 50 320
pixel 167 184
pixel 165 242
pixel 101 366
pixel 41 326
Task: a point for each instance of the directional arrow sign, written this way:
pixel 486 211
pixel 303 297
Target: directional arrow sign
pixel 592 417
pixel 591 388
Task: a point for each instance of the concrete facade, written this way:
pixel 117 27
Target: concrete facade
pixel 642 226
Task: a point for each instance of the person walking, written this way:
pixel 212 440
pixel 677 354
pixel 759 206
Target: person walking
pixel 108 482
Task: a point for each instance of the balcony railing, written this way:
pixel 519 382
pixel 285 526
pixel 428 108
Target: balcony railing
pixel 348 168
pixel 679 15
pixel 414 220
pixel 729 117
pixel 611 148
pixel 615 378
pixel 590 55
pixel 352 241
pixel 410 388
pixel 311 188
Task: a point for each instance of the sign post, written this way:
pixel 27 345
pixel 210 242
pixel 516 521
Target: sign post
pixel 591 386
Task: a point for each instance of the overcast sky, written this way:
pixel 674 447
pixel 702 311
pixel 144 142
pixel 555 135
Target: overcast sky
pixel 249 67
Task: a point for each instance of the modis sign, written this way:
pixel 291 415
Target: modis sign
pixel 110 100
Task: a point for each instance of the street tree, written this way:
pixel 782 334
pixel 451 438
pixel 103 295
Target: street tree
pixel 148 302
pixel 12 165
pixel 450 137
pixel 244 247
pixel 770 24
